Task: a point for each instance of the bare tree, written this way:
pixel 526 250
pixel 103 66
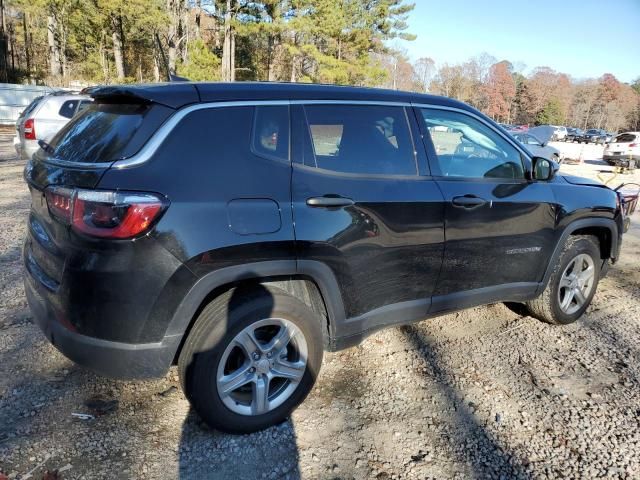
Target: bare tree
pixel 175 32
pixel 425 69
pixel 55 68
pixel 4 67
pixel 118 46
pixel 229 42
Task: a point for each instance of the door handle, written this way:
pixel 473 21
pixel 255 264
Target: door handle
pixel 468 201
pixel 329 201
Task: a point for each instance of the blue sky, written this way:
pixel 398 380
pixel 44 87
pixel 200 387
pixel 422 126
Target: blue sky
pixel 583 38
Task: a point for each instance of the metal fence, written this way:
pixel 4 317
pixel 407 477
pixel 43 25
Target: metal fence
pixel 14 98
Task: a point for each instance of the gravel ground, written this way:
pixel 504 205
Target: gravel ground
pixel 485 393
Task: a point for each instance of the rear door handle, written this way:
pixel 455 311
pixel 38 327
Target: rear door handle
pixel 468 201
pixel 329 201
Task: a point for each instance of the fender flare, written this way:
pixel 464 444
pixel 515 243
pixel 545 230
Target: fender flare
pixel 315 271
pixel 568 230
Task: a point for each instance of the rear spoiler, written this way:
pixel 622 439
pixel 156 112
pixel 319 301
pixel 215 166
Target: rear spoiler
pixel 179 95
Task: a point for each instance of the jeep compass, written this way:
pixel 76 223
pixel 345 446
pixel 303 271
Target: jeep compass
pixel 241 230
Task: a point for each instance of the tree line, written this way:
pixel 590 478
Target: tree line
pixel 545 96
pixel 348 42
pixel 142 40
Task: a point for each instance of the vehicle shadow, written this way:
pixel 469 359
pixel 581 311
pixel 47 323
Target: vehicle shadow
pixel 208 453
pixel 496 460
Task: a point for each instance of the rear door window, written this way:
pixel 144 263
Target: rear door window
pixel 106 132
pixel 361 139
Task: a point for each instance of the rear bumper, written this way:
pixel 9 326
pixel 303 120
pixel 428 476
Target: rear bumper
pixel 112 359
pixel 622 160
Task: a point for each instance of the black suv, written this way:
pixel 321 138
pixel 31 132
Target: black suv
pixel 594 135
pixel 239 230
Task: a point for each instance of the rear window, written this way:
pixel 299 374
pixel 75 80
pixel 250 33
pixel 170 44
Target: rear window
pixel 31 107
pixel 106 132
pixel 624 138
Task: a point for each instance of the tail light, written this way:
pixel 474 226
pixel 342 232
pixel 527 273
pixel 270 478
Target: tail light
pixel 29 129
pixel 59 201
pixel 105 214
pixel 633 145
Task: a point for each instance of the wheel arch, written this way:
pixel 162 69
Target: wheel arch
pixel 605 229
pixel 310 281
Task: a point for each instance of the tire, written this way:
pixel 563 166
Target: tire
pixel 547 306
pixel 212 347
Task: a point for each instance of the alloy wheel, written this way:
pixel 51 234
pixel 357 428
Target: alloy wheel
pixel 576 283
pixel 262 366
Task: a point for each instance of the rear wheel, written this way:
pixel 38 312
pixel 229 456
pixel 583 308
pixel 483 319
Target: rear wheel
pixel 250 359
pixel 572 284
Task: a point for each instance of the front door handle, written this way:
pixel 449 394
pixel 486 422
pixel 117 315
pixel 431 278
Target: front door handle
pixel 468 201
pixel 329 201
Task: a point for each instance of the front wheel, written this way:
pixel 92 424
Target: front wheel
pixel 251 358
pixel 572 284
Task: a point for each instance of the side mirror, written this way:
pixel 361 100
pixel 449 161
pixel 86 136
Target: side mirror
pixel 544 169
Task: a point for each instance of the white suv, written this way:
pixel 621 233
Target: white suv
pixel 560 133
pixel 44 117
pixel 623 150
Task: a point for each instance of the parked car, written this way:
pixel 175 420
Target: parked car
pixel 162 231
pixel 623 150
pixel 17 143
pixel 538 147
pixel 574 135
pixel 43 118
pixel 559 133
pixel 593 135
